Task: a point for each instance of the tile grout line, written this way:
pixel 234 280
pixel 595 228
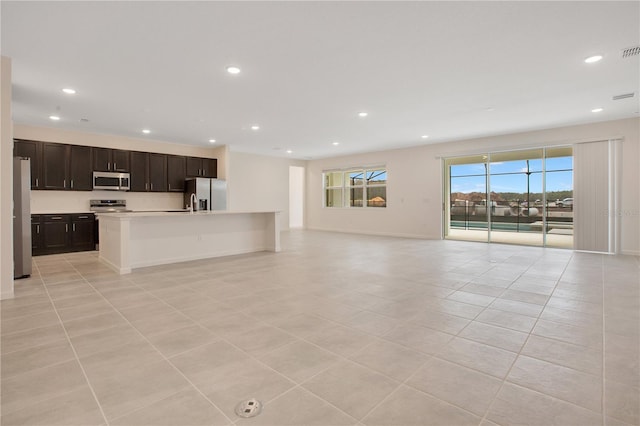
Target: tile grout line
pixel 155 348
pixel 224 339
pixel 520 353
pixel 431 356
pixel 77 358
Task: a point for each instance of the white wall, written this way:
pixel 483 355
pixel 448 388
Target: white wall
pixel 414 187
pixel 296 196
pixel 6 183
pixel 259 183
pixel 78 201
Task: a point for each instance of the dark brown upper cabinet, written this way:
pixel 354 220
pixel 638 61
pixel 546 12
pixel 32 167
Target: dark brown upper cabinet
pixel 55 166
pixel 148 172
pixel 70 167
pixel 202 167
pixel 80 171
pixel 110 160
pixel 157 172
pixel 139 163
pixel 33 151
pixel 176 173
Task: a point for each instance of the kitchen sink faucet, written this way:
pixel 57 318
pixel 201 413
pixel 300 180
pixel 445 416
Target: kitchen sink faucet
pixel 193 199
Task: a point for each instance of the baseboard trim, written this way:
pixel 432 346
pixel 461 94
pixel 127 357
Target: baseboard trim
pixel 377 234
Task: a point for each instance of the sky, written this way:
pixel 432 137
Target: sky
pixel 510 176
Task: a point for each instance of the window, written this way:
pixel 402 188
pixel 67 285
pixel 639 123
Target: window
pixel 356 187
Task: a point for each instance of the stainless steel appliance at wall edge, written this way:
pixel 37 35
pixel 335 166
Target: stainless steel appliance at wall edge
pixel 111 181
pixel 211 194
pixel 21 217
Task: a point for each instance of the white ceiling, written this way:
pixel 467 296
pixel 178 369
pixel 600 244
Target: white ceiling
pixel 308 68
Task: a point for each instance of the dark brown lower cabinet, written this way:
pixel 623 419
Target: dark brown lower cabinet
pixel 82 232
pixel 36 239
pixel 62 233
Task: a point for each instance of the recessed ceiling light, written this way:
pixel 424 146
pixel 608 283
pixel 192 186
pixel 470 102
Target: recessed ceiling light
pixel 255 127
pixel 146 131
pixel 363 114
pixel 212 141
pixel 289 151
pixel 597 110
pixel 336 143
pixel 54 117
pixel 233 70
pixel 69 91
pixel 593 59
pixel 424 136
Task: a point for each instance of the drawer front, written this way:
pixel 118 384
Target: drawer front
pixel 83 217
pixel 55 217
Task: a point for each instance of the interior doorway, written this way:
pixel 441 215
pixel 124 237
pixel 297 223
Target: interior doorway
pixel 296 197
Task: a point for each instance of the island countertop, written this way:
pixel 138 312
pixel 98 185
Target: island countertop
pixel 130 240
pixel 176 212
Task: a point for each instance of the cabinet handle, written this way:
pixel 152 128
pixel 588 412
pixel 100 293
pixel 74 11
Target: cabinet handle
pixel 169 187
pixel 73 226
pixel 152 186
pixel 83 217
pixel 115 166
pixel 36 181
pixel 37 229
pixel 66 228
pixel 64 183
pixel 71 183
pixel 56 218
pixel 146 186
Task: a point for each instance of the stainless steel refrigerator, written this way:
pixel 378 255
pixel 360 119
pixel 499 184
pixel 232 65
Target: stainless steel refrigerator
pixel 211 194
pixel 21 217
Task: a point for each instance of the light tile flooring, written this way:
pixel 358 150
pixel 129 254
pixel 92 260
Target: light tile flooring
pixel 334 330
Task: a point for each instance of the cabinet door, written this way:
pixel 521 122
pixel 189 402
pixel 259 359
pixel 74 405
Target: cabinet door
pixel 119 160
pixel 36 236
pixel 139 166
pixel 101 159
pixel 55 233
pixel 55 164
pixel 157 172
pixel 194 167
pixel 82 232
pixel 33 151
pixel 210 167
pixel 80 172
pixel 176 173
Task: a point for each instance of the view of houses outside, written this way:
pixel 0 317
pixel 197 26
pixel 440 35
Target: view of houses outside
pixel 526 190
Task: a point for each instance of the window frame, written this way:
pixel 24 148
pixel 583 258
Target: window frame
pixel 347 186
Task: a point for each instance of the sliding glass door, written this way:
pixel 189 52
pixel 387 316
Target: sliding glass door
pixel 467 195
pixel 517 197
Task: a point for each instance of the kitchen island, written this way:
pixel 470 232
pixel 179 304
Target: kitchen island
pixel 139 239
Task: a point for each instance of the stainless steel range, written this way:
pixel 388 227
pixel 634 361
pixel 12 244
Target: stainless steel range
pixel 108 206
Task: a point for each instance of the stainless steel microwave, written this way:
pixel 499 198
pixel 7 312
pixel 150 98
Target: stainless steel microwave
pixel 111 181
